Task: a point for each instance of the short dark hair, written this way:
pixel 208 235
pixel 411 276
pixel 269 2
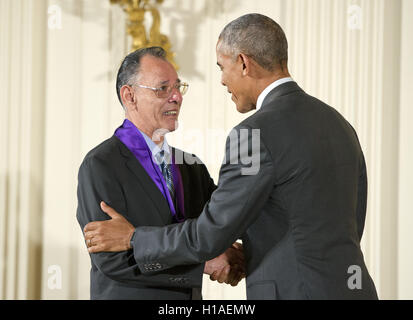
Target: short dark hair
pixel 129 69
pixel 257 36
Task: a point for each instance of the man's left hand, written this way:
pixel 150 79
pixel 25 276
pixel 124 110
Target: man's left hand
pixel 110 235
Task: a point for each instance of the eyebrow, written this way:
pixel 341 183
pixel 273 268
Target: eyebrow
pixel 167 81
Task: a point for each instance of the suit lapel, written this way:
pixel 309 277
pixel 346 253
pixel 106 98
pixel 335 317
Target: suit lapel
pixel 148 186
pixel 184 176
pixel 192 192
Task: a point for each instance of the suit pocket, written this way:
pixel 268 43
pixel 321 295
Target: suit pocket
pixel 263 290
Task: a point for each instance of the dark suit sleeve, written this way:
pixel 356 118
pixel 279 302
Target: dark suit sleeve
pixel 234 206
pixel 96 182
pixel 361 197
pixel 361 190
pixel 211 186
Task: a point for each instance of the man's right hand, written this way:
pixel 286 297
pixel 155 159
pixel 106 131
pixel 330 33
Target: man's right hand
pixel 228 267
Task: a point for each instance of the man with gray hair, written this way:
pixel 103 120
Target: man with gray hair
pixel 301 216
pixel 138 173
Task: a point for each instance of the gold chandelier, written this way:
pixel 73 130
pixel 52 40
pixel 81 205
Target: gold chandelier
pixel 135 10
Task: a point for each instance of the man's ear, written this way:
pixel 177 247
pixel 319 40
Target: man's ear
pixel 246 64
pixel 128 97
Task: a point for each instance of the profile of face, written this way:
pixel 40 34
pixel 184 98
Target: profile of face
pixel 152 112
pixel 234 77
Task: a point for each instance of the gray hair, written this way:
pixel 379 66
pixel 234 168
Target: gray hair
pixel 129 69
pixel 258 37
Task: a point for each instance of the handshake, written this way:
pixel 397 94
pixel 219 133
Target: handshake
pixel 228 267
pixel 115 234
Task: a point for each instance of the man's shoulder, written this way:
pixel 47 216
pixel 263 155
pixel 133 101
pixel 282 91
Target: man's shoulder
pixel 274 109
pixel 106 151
pixel 287 111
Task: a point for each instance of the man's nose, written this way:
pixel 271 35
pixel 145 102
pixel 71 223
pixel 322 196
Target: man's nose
pixel 176 95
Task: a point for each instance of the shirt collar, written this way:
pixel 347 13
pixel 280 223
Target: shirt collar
pixel 155 149
pixel 268 89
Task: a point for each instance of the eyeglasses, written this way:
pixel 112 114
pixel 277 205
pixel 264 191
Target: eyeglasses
pixel 165 91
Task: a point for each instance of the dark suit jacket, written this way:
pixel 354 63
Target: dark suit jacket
pixel 111 173
pixel 301 217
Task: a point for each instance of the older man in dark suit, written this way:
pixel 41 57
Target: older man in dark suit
pixel 152 184
pixel 301 212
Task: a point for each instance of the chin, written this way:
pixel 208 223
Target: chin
pixel 172 125
pixel 245 109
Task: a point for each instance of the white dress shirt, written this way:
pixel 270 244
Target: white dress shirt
pixel 268 89
pixel 156 149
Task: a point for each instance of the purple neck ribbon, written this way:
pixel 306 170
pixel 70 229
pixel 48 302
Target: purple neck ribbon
pixel 132 138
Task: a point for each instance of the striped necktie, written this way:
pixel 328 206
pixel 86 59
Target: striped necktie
pixel 167 173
